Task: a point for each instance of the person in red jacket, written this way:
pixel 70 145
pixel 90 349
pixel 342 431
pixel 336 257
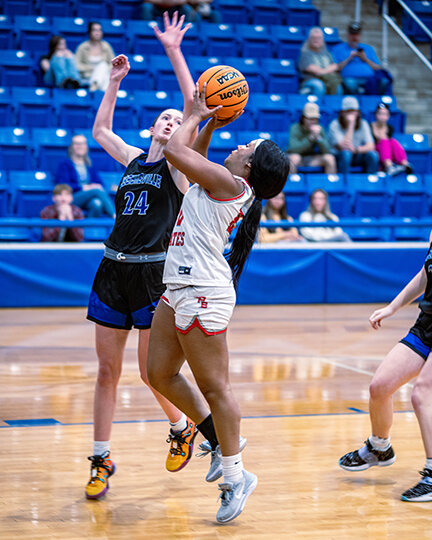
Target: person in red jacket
pixel 64 210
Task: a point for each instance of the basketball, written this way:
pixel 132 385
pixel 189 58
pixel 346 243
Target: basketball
pixel 225 86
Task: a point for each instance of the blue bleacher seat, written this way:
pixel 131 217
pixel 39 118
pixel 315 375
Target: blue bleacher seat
pixel 369 234
pixel 73 29
pixel 289 40
pixel 51 147
pixel 411 234
pixel 139 76
pixel 4 195
pixel 17 68
pixel 334 184
pixel 161 69
pixel 124 117
pixel 6 107
pixel 143 39
pixel 371 197
pixel 301 13
pixel 423 10
pixel 126 9
pixel 418 151
pixel 31 191
pixel 56 8
pixel 331 36
pixel 198 64
pixel 233 10
pixel 6 32
pixel 99 157
pixel 18 7
pixel 35 107
pixel 93 9
pixel 149 105
pixel 296 103
pixel 281 75
pixel 409 196
pixel 251 69
pixel 115 32
pixel 75 108
pixel 256 41
pixel 96 234
pixel 368 105
pixel 33 33
pixel 272 112
pixel 222 144
pixel 16 150
pixel 110 180
pixel 266 12
pixel 134 137
pixel 296 195
pixel 221 39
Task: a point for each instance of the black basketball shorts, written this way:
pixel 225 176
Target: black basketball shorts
pixel 125 295
pixel 419 337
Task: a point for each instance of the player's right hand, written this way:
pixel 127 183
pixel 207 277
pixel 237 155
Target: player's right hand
pixel 120 67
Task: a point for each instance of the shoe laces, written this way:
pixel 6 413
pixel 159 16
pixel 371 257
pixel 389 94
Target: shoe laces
pixel 226 493
pixel 98 463
pixel 205 451
pixel 176 440
pixel 426 473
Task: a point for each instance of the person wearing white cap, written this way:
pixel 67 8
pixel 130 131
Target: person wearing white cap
pixel 351 139
pixel 308 144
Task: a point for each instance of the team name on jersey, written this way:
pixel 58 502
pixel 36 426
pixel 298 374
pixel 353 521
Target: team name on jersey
pixel 142 178
pixel 177 239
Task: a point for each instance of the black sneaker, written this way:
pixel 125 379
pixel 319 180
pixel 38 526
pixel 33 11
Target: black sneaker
pixel 353 462
pixel 422 492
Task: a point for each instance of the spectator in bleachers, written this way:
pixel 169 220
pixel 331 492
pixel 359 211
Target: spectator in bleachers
pixel 154 9
pixel 320 73
pixel 59 66
pixel 275 210
pixel 206 11
pixel 64 210
pixel 77 172
pixel 359 65
pixel 319 211
pixel 94 58
pixel 351 139
pixel 391 153
pixel 308 144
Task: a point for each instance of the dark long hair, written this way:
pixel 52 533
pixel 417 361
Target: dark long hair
pixel 53 44
pixel 344 124
pixel 268 174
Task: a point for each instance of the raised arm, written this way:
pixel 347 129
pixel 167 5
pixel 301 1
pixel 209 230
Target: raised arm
pixel 216 179
pixel 102 127
pixel 171 40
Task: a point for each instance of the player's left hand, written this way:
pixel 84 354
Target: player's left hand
pixel 172 37
pixel 199 108
pixel 216 123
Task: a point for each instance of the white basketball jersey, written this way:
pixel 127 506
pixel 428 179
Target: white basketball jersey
pixel 195 253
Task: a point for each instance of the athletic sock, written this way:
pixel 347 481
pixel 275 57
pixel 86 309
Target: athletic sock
pixel 232 467
pixel 428 463
pixel 380 444
pixel 180 425
pixel 207 429
pixel 100 447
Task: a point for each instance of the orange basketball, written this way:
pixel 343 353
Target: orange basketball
pixel 225 86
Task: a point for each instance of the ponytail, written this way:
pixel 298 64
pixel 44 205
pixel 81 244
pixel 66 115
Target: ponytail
pixel 244 239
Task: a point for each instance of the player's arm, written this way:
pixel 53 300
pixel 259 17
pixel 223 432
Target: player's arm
pixel 102 127
pixel 216 179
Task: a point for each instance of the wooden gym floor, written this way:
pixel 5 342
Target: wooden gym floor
pixel 301 375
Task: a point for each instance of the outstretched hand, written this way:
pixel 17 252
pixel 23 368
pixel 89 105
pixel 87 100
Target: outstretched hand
pixel 172 37
pixel 199 108
pixel 120 67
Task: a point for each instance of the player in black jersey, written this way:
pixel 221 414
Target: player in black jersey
pixel 407 359
pixel 128 283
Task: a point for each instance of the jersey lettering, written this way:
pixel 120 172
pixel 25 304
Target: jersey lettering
pixel 202 301
pixel 180 218
pixel 177 239
pixel 140 205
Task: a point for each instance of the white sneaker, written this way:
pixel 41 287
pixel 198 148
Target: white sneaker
pixel 215 470
pixel 234 496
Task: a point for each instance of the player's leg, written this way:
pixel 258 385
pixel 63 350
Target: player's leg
pixel 400 366
pixel 110 345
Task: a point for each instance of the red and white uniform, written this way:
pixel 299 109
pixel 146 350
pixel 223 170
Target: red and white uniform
pixel 195 258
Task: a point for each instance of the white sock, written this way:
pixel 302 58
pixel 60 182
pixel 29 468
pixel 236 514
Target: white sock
pixel 180 425
pixel 232 467
pixel 428 463
pixel 100 447
pixel 379 444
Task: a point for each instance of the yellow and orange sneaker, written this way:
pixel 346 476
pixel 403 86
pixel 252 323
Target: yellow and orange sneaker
pixel 181 448
pixel 101 469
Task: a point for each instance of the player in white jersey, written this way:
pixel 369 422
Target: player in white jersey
pixel 200 295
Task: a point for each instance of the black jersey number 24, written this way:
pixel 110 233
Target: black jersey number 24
pixel 139 205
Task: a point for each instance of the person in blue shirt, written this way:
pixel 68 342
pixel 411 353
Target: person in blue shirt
pixel 83 178
pixel 359 64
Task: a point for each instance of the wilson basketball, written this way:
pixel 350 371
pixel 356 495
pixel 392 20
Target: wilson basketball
pixel 226 86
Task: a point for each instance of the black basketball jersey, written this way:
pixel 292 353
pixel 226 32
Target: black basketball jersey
pixel 426 303
pixel 147 203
